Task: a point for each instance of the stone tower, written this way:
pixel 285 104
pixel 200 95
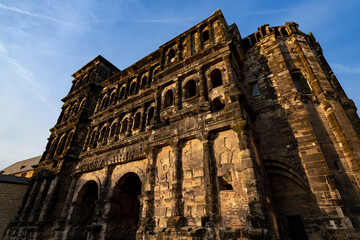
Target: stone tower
pixel 212 136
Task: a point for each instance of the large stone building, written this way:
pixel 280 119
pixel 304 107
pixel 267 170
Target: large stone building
pixel 212 136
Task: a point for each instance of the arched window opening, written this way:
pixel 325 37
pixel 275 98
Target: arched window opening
pixel 132 88
pixel 124 125
pixel 53 147
pixel 216 79
pixel 137 121
pixel 169 98
pixel 205 35
pixel 218 104
pixel 93 139
pixel 112 97
pixel 68 140
pixel 171 55
pixel 150 115
pixel 113 129
pixel 122 93
pixel 123 218
pixel 61 144
pixel 102 135
pixel 144 81
pixel 156 71
pixel 190 89
pixel 104 102
pixel 83 213
pixel 300 83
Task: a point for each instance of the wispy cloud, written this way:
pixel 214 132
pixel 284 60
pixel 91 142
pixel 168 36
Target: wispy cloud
pixel 20 11
pixel 37 88
pixel 165 20
pixel 339 68
pixel 268 11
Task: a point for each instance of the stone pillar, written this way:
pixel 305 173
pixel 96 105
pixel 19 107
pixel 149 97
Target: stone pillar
pixel 31 200
pixel 129 125
pixel 64 219
pixel 177 219
pixel 203 90
pixel 157 106
pixel 211 186
pixel 148 223
pixel 211 33
pixel 39 203
pixel 50 198
pixel 257 218
pixel 197 41
pixel 233 90
pixel 178 94
pixel 101 205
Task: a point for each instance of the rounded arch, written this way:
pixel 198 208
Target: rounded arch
pixel 112 97
pixel 150 114
pixel 294 204
pixel 216 78
pixel 122 92
pixel 83 212
pixel 132 88
pixel 168 98
pixel 144 80
pixel 104 102
pixel 190 89
pixel 171 55
pixel 137 120
pixel 113 128
pixel 124 215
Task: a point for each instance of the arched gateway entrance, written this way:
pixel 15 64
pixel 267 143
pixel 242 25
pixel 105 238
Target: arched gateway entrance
pixel 123 218
pixel 83 211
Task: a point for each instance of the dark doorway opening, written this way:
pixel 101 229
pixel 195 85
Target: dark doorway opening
pixel 124 215
pixel 83 211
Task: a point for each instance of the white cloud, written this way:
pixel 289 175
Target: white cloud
pixel 340 68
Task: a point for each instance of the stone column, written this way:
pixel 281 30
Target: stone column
pixel 197 41
pixel 211 33
pixel 31 200
pixel 101 205
pixel 177 219
pixel 251 180
pixel 203 90
pixel 64 219
pixel 147 219
pixel 178 94
pixel 211 186
pixel 157 106
pixel 50 198
pixel 129 125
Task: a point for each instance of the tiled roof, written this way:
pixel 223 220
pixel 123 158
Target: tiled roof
pixel 22 166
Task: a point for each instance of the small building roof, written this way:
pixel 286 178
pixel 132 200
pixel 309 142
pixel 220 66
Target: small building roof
pixel 22 166
pixel 14 179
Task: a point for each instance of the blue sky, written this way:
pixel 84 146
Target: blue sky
pixel 43 42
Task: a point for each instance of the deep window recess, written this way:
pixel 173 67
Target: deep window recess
pixel 300 83
pixel 205 35
pixel 190 89
pixel 132 87
pixel 171 55
pixel 218 104
pixel 255 90
pixel 137 121
pixel 216 79
pixel 150 115
pixel 169 98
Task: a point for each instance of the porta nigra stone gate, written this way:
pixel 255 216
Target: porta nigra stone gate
pixel 212 136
